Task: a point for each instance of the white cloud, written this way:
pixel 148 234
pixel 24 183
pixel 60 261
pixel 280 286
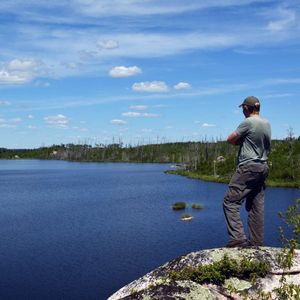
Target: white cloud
pixel 19 71
pixel 118 122
pixel 286 18
pixel 54 44
pixel 138 107
pixel 108 44
pixel 149 115
pixel 155 7
pixel 9 123
pixel 121 71
pixel 133 114
pixel 21 65
pixel 208 125
pixel 58 121
pixel 150 86
pixel 7 77
pixel 182 86
pixel 30 117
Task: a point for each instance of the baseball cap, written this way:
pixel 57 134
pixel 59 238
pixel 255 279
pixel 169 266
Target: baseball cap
pixel 250 101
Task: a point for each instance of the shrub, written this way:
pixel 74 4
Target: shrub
pixel 197 206
pixel 179 205
pixel 218 271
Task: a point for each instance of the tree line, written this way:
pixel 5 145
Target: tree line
pixel 217 160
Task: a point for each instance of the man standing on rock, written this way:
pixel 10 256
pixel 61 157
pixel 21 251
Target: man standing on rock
pixel 253 136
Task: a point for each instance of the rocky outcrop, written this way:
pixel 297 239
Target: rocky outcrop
pixel 158 285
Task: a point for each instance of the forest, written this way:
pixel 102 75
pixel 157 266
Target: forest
pixel 213 161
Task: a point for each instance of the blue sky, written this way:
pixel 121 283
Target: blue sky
pixel 87 71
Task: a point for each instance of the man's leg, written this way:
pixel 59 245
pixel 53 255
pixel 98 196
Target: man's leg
pixel 232 203
pixel 255 207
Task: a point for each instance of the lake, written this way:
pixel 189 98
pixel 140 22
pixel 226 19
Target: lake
pixel 83 230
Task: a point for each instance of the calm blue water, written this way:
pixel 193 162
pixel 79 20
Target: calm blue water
pixel 83 230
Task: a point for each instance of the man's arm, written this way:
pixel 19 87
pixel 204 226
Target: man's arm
pixel 234 138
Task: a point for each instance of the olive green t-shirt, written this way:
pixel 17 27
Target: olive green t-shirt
pixel 255 133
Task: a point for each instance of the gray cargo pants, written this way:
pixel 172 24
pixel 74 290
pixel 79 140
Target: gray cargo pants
pixel 246 183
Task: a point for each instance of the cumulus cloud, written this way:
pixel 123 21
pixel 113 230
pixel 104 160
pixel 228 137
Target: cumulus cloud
pixel 108 44
pixel 58 121
pixel 7 77
pixel 19 71
pixel 150 86
pixel 121 71
pixel 182 86
pixel 133 114
pixel 138 107
pixel 118 122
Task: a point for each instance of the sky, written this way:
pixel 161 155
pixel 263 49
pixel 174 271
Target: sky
pixel 139 72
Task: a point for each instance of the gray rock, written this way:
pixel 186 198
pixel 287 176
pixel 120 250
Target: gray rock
pixel 157 285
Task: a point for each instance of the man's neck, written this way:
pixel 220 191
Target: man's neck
pixel 254 114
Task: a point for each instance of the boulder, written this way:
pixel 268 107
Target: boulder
pixel 158 285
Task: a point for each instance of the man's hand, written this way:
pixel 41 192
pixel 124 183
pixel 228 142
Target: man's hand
pixel 234 139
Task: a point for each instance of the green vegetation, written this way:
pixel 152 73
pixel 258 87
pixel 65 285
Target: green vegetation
pixel 197 206
pixel 179 205
pixel 219 271
pixel 290 242
pixel 251 270
pixel 206 160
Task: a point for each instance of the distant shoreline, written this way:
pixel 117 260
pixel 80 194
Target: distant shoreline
pixel 211 178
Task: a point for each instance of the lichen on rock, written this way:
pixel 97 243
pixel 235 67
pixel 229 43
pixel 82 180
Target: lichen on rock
pixel 158 284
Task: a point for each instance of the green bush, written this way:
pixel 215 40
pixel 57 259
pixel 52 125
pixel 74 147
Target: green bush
pixel 197 206
pixel 219 271
pixel 179 205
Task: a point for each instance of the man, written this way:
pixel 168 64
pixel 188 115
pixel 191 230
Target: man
pixel 253 136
